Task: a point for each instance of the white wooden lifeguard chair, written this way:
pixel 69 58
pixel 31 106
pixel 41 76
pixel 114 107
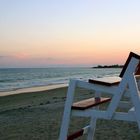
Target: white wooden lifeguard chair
pixel 127 83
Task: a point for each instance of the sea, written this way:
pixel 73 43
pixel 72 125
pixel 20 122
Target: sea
pixel 19 78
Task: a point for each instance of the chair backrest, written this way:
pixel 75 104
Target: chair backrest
pixel 137 72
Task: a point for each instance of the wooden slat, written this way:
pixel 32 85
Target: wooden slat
pixel 75 135
pixel 127 62
pixel 137 77
pixel 138 69
pixel 106 81
pixel 87 103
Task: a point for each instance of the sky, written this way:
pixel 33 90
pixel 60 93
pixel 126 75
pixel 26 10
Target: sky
pixel 53 33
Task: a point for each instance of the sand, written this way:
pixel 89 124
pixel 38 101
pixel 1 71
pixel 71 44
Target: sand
pixel 33 89
pixel 38 115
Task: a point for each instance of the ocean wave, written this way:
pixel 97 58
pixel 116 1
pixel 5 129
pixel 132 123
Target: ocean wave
pixel 13 79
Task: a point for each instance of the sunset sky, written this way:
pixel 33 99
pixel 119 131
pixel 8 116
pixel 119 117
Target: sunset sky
pixel 51 33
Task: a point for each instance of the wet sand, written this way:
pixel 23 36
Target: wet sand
pixel 32 89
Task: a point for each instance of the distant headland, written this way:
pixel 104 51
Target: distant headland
pixel 108 66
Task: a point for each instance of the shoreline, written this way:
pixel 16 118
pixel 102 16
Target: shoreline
pixel 32 89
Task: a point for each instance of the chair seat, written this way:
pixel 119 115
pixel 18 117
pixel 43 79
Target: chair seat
pixel 137 77
pixel 106 81
pixel 91 102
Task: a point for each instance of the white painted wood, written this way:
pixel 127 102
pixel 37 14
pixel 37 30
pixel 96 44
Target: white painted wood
pixel 135 98
pixel 129 86
pixel 109 80
pixel 116 98
pixel 122 86
pixel 86 129
pixel 102 115
pixel 125 104
pixel 90 113
pixel 96 87
pixel 124 116
pixel 92 128
pixel 132 110
pixel 67 110
pixel 93 120
pixel 138 125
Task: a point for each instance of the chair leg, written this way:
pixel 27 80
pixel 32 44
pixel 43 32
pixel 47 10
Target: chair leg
pixel 138 125
pixel 92 128
pixel 67 111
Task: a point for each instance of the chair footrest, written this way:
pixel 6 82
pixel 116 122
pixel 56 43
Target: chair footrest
pixel 106 81
pixel 75 135
pixel 78 133
pixel 91 102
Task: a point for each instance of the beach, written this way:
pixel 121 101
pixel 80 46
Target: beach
pixel 37 115
pixel 32 89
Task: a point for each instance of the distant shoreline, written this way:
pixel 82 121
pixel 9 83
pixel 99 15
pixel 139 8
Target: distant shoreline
pixel 108 66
